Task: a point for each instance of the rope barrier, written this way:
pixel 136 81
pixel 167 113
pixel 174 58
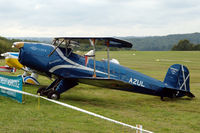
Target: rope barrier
pixel 77 109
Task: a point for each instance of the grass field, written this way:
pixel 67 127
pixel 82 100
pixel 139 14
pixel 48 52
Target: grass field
pixel 169 116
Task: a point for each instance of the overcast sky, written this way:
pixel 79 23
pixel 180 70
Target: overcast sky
pixel 53 18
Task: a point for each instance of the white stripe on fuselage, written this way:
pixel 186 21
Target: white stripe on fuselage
pixel 73 67
pixel 74 64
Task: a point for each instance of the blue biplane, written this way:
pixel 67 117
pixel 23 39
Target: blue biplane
pixel 69 69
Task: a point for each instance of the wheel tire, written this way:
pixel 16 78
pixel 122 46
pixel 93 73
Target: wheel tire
pixel 42 91
pixel 53 95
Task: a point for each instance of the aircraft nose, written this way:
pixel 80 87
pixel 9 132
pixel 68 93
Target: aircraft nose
pixel 18 45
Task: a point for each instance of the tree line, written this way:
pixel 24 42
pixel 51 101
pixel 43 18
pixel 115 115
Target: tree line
pixel 160 43
pixel 6 45
pixel 186 45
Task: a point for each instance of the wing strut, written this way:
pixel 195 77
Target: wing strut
pixel 56 46
pixel 92 42
pixel 108 56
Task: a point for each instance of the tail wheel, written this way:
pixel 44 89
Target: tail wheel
pixel 53 95
pixel 173 95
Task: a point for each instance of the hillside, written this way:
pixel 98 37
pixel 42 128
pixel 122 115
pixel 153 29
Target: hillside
pixel 161 43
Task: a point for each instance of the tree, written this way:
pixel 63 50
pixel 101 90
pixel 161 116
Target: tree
pixel 6 44
pixel 183 45
pixel 196 47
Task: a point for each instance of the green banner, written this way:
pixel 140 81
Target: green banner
pixel 12 82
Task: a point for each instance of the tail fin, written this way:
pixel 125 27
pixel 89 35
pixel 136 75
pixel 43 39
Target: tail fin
pixel 178 77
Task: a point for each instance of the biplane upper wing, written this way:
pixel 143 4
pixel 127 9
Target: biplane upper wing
pixel 112 42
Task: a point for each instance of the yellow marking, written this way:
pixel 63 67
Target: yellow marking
pixel 19 44
pixel 94 76
pixel 13 62
pixel 30 81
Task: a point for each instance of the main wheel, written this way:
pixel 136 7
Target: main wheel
pixel 53 95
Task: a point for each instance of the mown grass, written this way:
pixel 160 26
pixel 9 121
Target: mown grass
pixel 178 115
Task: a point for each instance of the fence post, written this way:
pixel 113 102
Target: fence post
pixel 38 101
pixel 140 127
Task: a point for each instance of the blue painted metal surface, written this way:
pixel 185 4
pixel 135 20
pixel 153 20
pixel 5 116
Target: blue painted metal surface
pixel 72 67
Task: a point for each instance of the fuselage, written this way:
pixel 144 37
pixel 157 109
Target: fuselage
pixel 66 64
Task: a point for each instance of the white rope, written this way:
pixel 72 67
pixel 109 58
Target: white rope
pixel 77 109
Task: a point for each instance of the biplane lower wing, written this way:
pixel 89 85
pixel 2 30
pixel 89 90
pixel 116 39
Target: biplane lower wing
pixel 121 85
pixel 115 84
pixel 105 82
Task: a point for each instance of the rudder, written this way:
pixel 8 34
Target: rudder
pixel 178 77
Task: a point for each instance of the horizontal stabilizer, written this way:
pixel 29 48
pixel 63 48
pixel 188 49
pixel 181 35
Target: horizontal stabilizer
pixel 189 94
pixel 177 92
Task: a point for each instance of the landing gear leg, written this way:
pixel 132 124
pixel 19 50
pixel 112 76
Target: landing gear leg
pixel 45 91
pixel 57 87
pixel 42 91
